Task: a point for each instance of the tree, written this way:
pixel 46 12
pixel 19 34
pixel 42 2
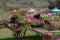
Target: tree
pixel 51 5
pixel 58 3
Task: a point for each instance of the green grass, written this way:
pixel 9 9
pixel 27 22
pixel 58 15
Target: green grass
pixel 6 34
pixel 3 16
pixel 9 4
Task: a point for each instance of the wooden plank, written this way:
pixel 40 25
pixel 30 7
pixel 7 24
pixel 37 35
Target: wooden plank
pixel 43 31
pixel 57 31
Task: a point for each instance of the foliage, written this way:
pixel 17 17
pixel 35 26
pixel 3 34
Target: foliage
pixel 46 17
pixel 32 24
pixel 58 3
pixel 13 18
pixel 51 5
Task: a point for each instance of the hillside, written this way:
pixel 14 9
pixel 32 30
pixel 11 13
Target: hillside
pixel 34 3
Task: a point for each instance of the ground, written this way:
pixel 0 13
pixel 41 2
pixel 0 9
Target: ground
pixel 6 34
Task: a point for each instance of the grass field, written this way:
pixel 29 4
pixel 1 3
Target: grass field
pixel 6 34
